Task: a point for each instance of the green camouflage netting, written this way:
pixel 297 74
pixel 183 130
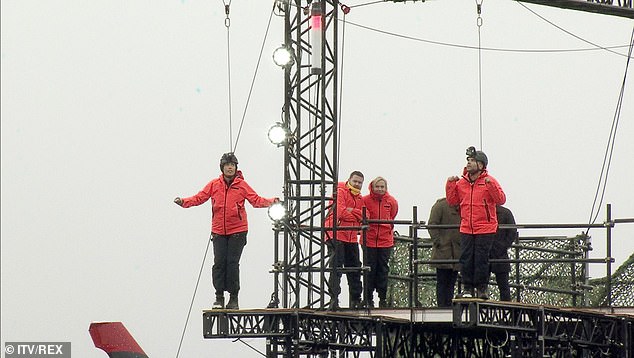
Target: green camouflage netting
pixel 552 283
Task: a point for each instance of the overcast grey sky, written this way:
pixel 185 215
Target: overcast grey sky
pixel 110 109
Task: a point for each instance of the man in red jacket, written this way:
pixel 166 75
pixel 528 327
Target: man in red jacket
pixel 344 246
pixel 378 241
pixel 228 225
pixel 478 194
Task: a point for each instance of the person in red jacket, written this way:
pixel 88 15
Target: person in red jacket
pixel 478 194
pixel 343 247
pixel 228 225
pixel 378 241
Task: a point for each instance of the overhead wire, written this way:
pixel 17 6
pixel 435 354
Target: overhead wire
pixel 368 3
pixel 228 26
pixel 597 47
pixel 479 23
pixel 448 44
pixel 250 346
pixel 407 37
pixel 255 73
pixel 609 150
pixel 191 305
pixel 566 31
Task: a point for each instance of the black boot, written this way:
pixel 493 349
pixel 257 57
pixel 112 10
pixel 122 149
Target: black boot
pixel 275 302
pixel 334 304
pixel 355 303
pixel 483 292
pixel 219 303
pixel 233 302
pixel 383 303
pixel 467 292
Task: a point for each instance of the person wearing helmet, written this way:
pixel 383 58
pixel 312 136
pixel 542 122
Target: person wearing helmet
pixel 228 225
pixel 378 241
pixel 477 193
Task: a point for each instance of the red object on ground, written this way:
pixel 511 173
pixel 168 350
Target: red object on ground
pixel 114 339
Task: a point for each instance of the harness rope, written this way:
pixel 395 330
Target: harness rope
pixel 228 26
pixel 479 23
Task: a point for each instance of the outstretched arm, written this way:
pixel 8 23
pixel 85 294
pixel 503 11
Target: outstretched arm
pixel 197 199
pixel 255 200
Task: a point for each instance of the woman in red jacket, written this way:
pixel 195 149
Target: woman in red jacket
pixel 378 241
pixel 228 225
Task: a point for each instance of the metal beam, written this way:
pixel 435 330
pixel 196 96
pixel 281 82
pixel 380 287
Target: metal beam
pixel 476 329
pixel 621 8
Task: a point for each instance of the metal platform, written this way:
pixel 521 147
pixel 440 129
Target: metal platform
pixel 471 328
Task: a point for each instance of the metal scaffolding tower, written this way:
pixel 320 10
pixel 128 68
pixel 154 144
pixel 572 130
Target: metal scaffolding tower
pixel 310 151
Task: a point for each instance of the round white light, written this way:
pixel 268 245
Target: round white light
pixel 277 134
pixel 282 56
pixel 277 211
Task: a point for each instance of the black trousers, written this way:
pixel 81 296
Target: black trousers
pixel 502 279
pixel 225 272
pixel 378 259
pixel 445 283
pixel 475 259
pixel 344 254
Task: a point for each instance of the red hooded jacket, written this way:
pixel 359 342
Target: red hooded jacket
pixel 345 199
pixel 228 214
pixel 477 202
pixel 380 207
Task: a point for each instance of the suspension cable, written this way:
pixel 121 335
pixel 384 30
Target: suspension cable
pixel 202 265
pixel 479 23
pixel 566 31
pixel 250 346
pixel 368 3
pixel 607 158
pixel 255 73
pixel 228 25
pixel 515 50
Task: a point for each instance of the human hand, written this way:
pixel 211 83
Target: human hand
pixel 453 178
pixel 178 201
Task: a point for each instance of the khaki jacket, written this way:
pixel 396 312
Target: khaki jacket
pixel 446 242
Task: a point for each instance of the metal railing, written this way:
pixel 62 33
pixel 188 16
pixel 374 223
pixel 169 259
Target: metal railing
pixel 546 269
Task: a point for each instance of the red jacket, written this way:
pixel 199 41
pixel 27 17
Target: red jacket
pixel 228 214
pixel 345 199
pixel 380 207
pixel 477 202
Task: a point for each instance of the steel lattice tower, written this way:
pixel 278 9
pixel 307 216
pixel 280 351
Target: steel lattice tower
pixel 310 155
